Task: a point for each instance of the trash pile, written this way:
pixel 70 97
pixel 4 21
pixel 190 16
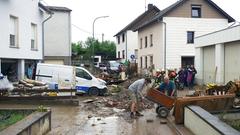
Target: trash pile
pixel 30 84
pixel 118 101
pixel 4 83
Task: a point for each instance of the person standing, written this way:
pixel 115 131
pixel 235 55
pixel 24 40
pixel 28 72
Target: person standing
pixel 29 71
pixel 189 78
pixel 193 75
pixel 135 90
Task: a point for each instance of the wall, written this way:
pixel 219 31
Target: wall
pixel 185 10
pixel 201 122
pixel 27 12
pixel 58 35
pixel 156 50
pixel 177 36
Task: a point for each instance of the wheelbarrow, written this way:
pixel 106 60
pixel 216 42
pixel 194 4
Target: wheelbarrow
pixel 165 103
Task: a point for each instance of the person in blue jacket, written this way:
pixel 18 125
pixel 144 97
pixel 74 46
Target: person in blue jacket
pixel 167 87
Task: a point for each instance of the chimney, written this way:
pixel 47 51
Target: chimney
pixel 150 6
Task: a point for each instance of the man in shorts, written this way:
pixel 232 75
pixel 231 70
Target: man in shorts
pixel 136 94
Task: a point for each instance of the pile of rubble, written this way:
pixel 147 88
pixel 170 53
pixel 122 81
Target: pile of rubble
pixel 118 101
pixel 30 84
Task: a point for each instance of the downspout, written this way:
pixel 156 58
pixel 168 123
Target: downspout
pixel 43 44
pixel 165 44
pixel 126 48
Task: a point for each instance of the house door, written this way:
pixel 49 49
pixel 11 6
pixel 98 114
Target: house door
pixel 187 60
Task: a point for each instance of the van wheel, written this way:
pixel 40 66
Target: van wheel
pixel 93 91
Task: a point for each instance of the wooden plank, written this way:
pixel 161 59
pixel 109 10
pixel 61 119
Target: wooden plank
pixel 209 103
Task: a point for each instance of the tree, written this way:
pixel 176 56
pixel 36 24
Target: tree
pixel 106 49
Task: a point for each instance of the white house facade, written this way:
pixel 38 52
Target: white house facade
pixel 217 56
pixel 167 41
pixel 127 39
pixel 127 45
pixel 57 47
pixel 20 35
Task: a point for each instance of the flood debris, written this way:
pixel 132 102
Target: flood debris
pixel 150 120
pixel 163 122
pixel 90 116
pixel 88 101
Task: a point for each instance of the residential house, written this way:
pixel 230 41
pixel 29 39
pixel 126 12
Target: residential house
pixel 57 35
pixel 218 57
pixel 127 40
pixel 167 41
pixel 20 36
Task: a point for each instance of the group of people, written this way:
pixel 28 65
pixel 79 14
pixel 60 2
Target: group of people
pixel 186 76
pixel 165 84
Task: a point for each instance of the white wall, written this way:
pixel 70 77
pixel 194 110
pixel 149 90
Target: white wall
pixel 58 35
pixel 131 41
pixel 177 36
pixel 156 50
pixel 27 12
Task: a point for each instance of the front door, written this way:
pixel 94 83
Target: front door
pixel 187 60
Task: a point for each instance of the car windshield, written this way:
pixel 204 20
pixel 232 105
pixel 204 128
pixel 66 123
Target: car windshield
pixel 114 64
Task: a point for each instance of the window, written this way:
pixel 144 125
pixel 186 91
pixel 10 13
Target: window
pixel 141 43
pixel 146 62
pixel 118 39
pixel 123 37
pixel 151 40
pixel 146 42
pixel 136 53
pixel 141 62
pixel 190 37
pixel 123 54
pixel 151 60
pixel 33 36
pixel 119 54
pixel 13 36
pixel 196 11
pixel 83 74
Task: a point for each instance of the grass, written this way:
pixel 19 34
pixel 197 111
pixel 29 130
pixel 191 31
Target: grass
pixel 10 117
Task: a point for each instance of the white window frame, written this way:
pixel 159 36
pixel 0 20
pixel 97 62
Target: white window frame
pixel 14 31
pixel 34 37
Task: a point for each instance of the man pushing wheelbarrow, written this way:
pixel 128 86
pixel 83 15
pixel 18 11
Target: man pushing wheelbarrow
pixel 165 101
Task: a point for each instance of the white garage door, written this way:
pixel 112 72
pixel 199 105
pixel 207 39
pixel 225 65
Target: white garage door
pixel 232 61
pixel 209 64
pixel 59 62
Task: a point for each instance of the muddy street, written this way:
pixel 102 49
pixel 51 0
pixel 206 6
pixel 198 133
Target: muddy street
pixel 76 120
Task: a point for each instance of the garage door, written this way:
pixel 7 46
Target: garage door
pixel 209 64
pixel 59 62
pixel 232 61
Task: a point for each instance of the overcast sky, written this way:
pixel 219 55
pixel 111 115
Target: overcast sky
pixel 120 12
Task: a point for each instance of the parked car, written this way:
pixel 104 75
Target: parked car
pixel 102 66
pixel 70 77
pixel 113 66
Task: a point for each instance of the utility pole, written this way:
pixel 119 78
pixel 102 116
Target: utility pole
pixel 102 37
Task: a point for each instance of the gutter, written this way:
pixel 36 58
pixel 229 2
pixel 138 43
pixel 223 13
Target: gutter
pixel 43 34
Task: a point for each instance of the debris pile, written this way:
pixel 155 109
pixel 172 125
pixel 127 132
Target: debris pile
pixel 30 84
pixel 118 101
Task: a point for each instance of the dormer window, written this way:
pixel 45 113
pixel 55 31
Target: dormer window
pixel 196 11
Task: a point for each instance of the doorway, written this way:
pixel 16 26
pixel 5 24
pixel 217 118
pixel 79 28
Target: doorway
pixel 187 60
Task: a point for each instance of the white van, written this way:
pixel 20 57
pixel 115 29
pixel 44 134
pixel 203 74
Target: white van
pixel 70 77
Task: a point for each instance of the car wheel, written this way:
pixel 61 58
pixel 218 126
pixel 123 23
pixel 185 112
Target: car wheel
pixel 162 112
pixel 93 91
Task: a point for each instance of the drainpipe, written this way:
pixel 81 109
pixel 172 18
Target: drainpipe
pixel 43 44
pixel 165 44
pixel 126 47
